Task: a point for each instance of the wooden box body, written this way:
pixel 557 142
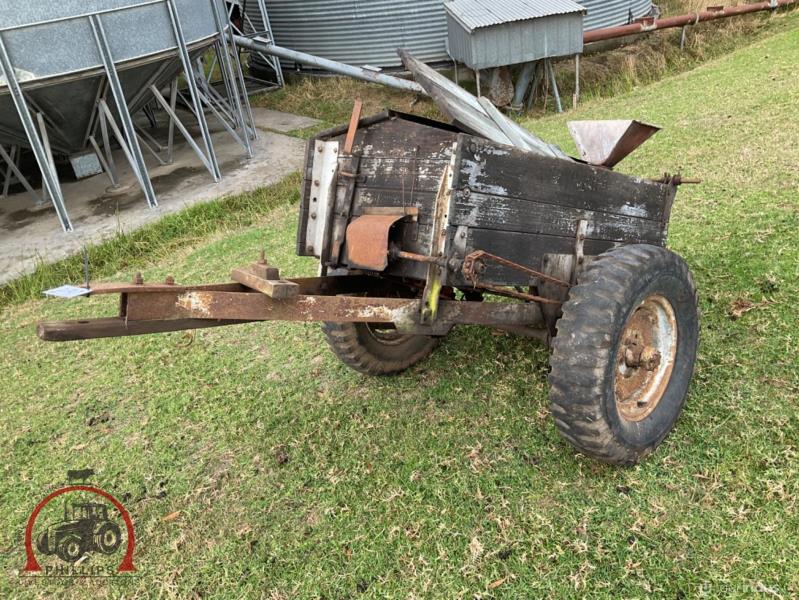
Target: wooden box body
pixel 505 201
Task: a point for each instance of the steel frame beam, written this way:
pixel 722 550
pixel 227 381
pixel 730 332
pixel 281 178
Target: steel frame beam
pixel 155 312
pixel 170 307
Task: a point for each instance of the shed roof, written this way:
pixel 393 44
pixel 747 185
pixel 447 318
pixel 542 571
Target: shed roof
pixel 474 14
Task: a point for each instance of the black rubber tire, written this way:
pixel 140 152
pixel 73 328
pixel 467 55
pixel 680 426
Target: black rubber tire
pixel 583 362
pixel 357 347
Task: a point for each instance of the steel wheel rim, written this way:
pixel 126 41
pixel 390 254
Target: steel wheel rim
pixel 645 358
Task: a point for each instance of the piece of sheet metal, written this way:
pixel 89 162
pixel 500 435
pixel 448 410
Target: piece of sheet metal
pixel 323 189
pixel 606 143
pixel 67 291
pixel 367 241
pixel 471 115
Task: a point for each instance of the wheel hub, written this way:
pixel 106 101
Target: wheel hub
pixel 645 358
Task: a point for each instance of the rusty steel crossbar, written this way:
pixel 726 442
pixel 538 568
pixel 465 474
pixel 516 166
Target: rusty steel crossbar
pixel 169 307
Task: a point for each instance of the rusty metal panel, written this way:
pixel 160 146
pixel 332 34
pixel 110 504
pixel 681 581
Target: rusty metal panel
pixel 367 241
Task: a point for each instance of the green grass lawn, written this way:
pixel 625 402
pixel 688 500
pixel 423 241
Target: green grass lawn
pixel 255 465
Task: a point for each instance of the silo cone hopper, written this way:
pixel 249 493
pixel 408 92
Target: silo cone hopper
pixel 606 143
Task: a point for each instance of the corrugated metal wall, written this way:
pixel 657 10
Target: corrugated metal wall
pixel 609 13
pixel 361 32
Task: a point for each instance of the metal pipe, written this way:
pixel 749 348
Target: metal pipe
pixel 650 24
pixel 522 83
pixel 441 261
pixel 329 65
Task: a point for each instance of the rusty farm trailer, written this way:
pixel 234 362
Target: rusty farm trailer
pixel 417 224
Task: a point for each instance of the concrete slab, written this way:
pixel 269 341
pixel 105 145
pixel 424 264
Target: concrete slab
pixel 30 234
pixel 282 122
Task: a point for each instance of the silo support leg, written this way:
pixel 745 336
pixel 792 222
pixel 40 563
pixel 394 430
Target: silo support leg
pixel 134 151
pixel 213 99
pixel 230 78
pixel 176 121
pixel 49 177
pixel 101 157
pixel 538 74
pixel 10 160
pixel 191 82
pixel 109 154
pixel 143 178
pixel 268 28
pixel 173 102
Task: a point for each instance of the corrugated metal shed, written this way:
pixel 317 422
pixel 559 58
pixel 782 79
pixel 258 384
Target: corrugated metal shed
pixel 363 32
pixel 507 32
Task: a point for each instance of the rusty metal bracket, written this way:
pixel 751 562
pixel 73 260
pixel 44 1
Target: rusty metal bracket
pixel 263 277
pixel 272 286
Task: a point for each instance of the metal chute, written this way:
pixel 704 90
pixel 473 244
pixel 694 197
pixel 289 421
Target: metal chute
pixel 475 115
pixel 606 143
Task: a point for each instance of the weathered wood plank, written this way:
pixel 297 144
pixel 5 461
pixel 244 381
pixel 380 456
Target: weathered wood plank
pixel 400 138
pixel 510 214
pixel 277 289
pixel 498 170
pixel 421 173
pixel 368 197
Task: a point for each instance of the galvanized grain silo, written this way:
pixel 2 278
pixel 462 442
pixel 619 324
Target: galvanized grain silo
pixel 368 32
pixel 361 32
